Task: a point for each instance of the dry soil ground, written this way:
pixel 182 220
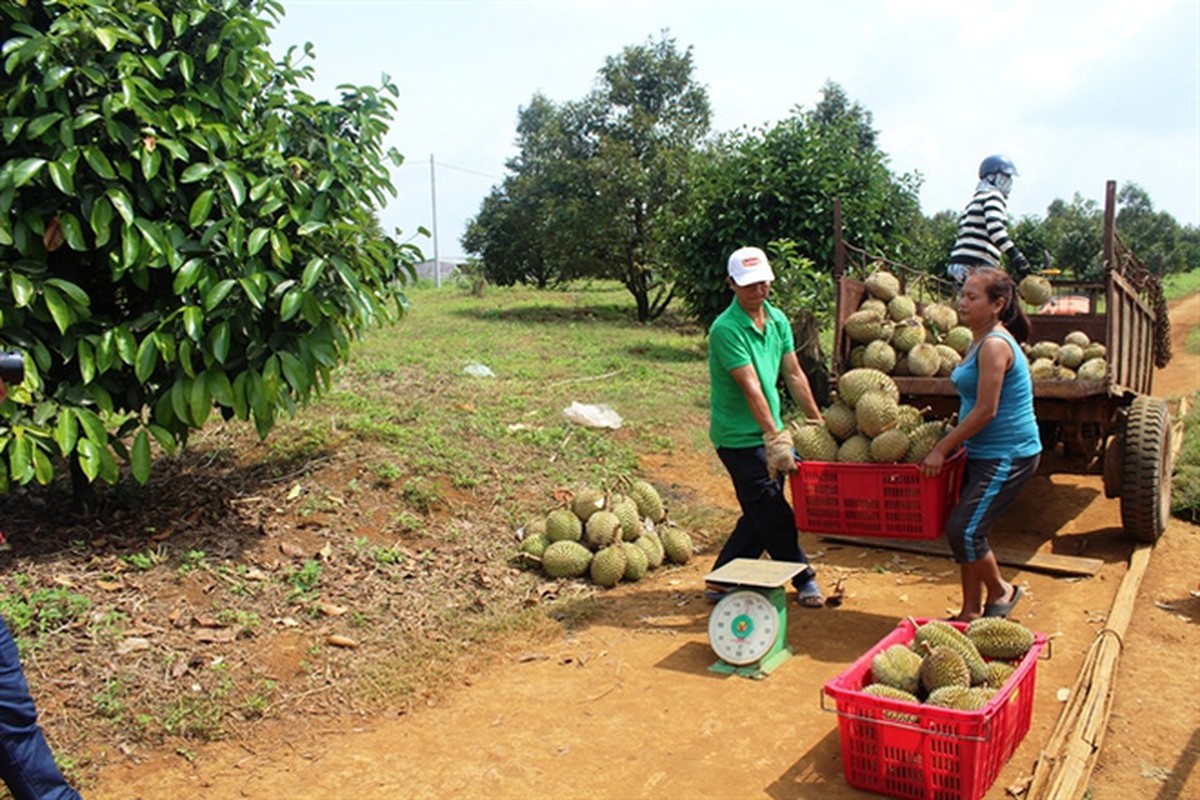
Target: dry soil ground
pixel 626 706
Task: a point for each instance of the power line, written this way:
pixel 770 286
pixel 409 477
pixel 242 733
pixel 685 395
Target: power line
pixel 408 163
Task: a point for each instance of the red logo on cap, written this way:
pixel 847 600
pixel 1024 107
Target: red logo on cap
pixel 750 262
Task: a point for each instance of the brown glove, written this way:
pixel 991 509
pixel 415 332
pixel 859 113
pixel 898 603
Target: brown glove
pixel 781 460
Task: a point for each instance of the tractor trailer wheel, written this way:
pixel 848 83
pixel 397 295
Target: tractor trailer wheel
pixel 1146 470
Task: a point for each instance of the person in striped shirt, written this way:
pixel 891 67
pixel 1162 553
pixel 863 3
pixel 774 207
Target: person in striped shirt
pixel 983 226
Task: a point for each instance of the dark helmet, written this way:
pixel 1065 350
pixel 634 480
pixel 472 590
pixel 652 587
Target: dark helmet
pixel 997 164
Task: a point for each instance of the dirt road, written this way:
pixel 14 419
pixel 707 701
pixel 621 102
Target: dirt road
pixel 626 707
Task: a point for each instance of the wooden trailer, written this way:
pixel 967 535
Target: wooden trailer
pixel 1114 426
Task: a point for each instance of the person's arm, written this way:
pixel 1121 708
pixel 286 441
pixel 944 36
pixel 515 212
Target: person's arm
pixel 747 380
pixel 996 214
pixel 995 357
pixel 799 387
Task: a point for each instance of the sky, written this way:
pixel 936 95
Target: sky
pixel 1075 92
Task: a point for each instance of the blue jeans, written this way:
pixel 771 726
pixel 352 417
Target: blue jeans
pixel 767 522
pixel 26 763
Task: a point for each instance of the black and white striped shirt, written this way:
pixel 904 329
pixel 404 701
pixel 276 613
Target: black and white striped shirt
pixel 983 230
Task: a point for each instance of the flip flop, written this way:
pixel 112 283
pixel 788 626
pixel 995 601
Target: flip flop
pixel 809 596
pixel 1003 609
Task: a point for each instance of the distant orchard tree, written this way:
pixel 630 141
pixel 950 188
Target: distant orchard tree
pixel 598 182
pixel 182 228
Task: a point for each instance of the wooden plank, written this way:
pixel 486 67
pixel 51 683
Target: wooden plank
pixel 1051 563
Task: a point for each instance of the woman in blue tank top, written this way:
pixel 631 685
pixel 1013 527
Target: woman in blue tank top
pixel 996 423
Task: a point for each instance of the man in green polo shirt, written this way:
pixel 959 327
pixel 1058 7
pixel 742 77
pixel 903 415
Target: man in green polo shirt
pixel 750 345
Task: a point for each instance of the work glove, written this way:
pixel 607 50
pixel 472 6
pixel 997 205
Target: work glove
pixel 1020 264
pixel 781 458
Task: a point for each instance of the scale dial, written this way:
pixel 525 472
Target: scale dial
pixel 743 627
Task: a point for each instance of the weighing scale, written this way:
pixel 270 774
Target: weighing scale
pixel 748 627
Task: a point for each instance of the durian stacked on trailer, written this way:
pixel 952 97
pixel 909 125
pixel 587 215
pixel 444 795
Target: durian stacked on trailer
pixel 946 667
pixel 893 333
pixel 607 536
pixel 1076 357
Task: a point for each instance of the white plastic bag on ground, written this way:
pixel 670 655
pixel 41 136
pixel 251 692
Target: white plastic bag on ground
pixel 593 416
pixel 478 370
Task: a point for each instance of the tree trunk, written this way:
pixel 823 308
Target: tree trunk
pixel 812 358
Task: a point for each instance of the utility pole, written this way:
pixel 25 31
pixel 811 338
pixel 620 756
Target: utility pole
pixel 437 264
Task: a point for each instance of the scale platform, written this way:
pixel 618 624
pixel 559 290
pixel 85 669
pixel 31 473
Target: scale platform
pixel 748 627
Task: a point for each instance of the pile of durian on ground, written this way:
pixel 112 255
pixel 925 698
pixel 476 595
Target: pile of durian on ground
pixel 899 336
pixel 608 536
pixel 946 667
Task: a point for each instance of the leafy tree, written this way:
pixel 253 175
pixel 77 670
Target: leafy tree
pixel 756 186
pixel 182 227
pixel 1154 235
pixel 598 182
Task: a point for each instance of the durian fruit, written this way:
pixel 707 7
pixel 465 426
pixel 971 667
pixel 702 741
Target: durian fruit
pixel 948 359
pixel 566 559
pixel 562 524
pixel 923 438
pixel 608 565
pixel 534 545
pixel 910 417
pixel 856 356
pixel 677 544
pixel 1094 350
pixel 907 334
pixel 856 449
pixel 626 510
pixel 854 383
pixel 1035 290
pixel 901 307
pixel 1063 373
pixel 588 501
pixel 892 693
pixel 959 337
pixel 1070 355
pixel 1042 369
pixel 943 666
pixel 998 673
pixel 865 326
pixel 873 304
pixel 1045 349
pixel 897 666
pixel 942 634
pixel 649 502
pixel 1077 338
pixel 890 446
pixel 840 420
pixel 875 413
pixel 602 529
pixel 651 545
pixel 941 317
pixel 636 562
pixel 879 355
pixel 995 637
pixel 1094 369
pixel 960 698
pixel 924 360
pixel 814 442
pixel 882 284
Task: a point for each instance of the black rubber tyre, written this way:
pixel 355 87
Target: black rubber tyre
pixel 1145 473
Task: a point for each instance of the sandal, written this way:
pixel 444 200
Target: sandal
pixel 809 595
pixel 1003 609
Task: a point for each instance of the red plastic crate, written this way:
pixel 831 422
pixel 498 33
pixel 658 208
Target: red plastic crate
pixel 889 500
pixel 942 754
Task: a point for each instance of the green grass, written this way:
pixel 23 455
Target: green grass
pixel 1181 284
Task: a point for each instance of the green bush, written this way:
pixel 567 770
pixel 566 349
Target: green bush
pixel 182 228
pixel 1185 483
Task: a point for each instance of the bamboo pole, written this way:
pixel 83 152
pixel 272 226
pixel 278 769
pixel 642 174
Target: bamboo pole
pixel 1066 762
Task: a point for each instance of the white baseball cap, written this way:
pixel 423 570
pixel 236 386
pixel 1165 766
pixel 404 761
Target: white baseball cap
pixel 749 265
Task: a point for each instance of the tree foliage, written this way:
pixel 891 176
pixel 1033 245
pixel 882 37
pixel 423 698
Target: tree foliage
pixel 598 182
pixel 182 227
pixel 755 186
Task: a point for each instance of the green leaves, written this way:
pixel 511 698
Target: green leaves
pixel 166 249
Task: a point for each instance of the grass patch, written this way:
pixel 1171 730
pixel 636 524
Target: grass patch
pixel 1181 284
pixel 1185 482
